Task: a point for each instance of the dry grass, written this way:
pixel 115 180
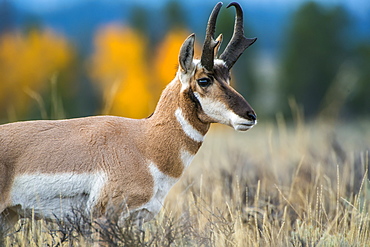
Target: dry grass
pixel 277 185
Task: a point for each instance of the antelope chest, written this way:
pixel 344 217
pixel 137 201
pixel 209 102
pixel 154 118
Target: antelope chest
pixel 162 185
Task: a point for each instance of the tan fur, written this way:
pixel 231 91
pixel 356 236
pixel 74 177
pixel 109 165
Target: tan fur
pixel 120 147
pixel 126 150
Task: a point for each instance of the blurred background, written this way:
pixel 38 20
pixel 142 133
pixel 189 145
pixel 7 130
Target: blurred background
pixel 73 58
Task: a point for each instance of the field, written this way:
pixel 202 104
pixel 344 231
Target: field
pixel 301 184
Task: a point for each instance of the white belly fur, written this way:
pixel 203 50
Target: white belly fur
pixel 54 195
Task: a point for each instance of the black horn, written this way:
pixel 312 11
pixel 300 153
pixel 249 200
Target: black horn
pixel 238 42
pixel 209 42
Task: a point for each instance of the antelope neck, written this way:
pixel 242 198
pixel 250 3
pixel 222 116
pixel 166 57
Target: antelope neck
pixel 174 129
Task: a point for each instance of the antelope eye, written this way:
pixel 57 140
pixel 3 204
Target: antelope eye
pixel 204 82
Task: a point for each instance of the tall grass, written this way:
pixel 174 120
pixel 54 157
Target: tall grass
pixel 277 185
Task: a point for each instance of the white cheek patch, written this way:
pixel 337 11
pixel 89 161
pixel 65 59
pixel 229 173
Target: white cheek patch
pixel 50 195
pixel 214 109
pixel 187 127
pixel 219 112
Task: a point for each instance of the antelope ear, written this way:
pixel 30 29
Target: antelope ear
pixel 187 54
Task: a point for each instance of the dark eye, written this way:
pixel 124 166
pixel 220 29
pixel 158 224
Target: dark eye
pixel 204 82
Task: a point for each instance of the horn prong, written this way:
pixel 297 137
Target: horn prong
pixel 217 48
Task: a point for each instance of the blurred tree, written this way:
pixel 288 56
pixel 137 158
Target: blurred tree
pixel 27 62
pixel 140 19
pixel 359 100
pixel 174 15
pixel 119 68
pixel 315 49
pixel 6 16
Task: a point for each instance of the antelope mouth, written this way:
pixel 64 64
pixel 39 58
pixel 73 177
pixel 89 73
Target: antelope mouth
pixel 244 126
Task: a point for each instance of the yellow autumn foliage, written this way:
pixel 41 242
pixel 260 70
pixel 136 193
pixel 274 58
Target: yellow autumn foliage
pixel 27 62
pixel 119 67
pixel 166 59
pixel 130 79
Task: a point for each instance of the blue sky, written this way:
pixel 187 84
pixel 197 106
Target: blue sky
pixel 360 6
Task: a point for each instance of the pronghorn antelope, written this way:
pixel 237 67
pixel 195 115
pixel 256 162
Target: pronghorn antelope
pixel 49 167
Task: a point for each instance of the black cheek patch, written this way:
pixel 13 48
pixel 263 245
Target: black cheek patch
pixel 193 98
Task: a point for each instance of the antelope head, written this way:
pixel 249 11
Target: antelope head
pixel 207 81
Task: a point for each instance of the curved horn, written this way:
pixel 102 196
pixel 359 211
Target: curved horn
pixel 209 42
pixel 238 42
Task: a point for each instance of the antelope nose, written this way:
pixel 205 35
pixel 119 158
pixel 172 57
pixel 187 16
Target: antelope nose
pixel 251 116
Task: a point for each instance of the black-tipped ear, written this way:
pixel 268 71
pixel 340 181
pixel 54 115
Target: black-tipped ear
pixel 187 54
